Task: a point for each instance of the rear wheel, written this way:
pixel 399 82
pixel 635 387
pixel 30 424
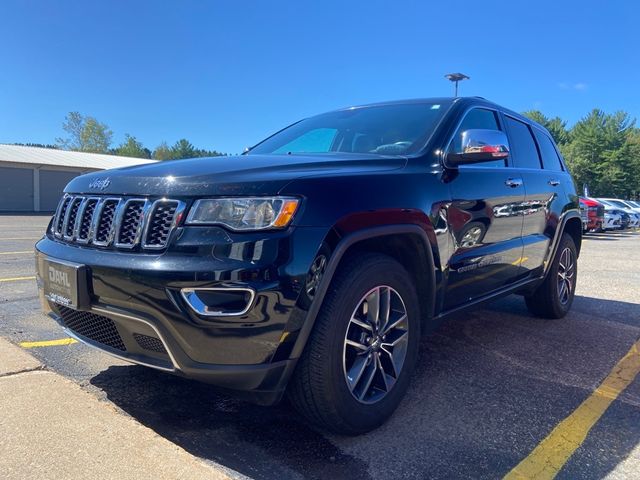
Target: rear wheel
pixel 358 361
pixel 553 298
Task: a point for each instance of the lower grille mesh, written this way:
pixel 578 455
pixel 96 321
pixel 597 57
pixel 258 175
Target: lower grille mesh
pixel 94 327
pixel 150 343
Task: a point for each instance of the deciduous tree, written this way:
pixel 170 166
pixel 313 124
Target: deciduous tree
pixel 85 134
pixel 131 147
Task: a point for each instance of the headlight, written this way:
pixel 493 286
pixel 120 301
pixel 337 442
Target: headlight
pixel 253 213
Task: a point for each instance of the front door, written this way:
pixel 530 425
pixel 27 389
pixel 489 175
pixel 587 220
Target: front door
pixel 485 221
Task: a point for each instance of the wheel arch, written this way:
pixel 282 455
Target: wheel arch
pixel 573 226
pixel 401 242
pixel 570 222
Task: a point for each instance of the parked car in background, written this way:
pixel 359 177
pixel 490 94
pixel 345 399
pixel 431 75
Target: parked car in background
pixel 612 221
pixel 584 217
pixel 610 210
pixel 634 204
pixel 634 217
pixel 594 211
pixel 626 204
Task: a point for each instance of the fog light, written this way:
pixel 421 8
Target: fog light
pixel 219 301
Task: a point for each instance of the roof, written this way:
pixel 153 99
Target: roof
pixel 64 158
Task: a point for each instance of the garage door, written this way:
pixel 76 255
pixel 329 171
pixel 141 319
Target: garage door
pixel 52 183
pixel 16 189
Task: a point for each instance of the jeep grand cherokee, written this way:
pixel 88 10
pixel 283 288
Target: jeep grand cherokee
pixel 312 264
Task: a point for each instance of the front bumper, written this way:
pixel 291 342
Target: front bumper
pixel 138 297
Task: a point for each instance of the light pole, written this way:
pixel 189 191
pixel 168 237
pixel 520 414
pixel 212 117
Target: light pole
pixel 455 78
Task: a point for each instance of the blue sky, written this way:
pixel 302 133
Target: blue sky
pixel 224 74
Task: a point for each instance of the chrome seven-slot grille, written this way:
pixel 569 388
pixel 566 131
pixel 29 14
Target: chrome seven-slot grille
pixel 116 221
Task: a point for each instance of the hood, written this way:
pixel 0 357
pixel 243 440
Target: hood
pixel 236 175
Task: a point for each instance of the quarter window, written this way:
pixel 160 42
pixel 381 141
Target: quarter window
pixel 523 147
pixel 477 118
pixel 550 158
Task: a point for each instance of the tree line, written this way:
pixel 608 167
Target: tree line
pixel 602 150
pixel 86 134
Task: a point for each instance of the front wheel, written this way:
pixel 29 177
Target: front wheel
pixel 357 364
pixel 553 298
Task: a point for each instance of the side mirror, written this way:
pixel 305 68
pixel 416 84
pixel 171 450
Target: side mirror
pixel 479 145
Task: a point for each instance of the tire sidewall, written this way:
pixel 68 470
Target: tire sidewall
pixel 363 417
pixel 562 309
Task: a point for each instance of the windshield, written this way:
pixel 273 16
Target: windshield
pixel 397 129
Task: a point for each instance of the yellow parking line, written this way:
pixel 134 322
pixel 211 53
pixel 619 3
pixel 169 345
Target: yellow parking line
pixel 16 253
pixel 546 460
pixel 520 261
pixel 16 279
pixel 49 343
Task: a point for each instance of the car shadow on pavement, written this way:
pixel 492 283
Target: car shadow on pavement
pixel 490 385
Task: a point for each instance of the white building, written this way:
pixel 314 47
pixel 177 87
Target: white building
pixel 32 179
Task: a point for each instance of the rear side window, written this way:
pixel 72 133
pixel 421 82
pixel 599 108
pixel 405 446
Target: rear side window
pixel 523 147
pixel 550 158
pixel 477 118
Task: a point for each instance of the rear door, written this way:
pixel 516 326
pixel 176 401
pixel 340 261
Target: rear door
pixel 537 162
pixel 484 219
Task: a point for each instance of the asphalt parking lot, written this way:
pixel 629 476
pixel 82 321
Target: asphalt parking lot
pixel 490 387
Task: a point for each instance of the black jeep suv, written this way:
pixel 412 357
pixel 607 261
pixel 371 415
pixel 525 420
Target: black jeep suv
pixel 312 264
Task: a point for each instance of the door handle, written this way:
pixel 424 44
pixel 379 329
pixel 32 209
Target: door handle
pixel 513 182
pixel 553 182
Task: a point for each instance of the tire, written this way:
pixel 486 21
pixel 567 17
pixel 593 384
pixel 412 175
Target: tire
pixel 319 388
pixel 551 299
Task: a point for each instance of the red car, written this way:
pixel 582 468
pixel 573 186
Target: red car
pixel 595 214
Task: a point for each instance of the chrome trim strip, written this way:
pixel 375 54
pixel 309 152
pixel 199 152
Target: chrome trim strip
pixel 180 208
pixel 65 227
pixel 58 233
pixel 98 221
pixel 79 214
pixel 85 241
pixel 118 223
pixel 188 294
pixel 107 312
pixel 95 220
pixel 97 345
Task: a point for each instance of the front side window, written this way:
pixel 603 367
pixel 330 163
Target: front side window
pixel 394 129
pixel 477 118
pixel 523 147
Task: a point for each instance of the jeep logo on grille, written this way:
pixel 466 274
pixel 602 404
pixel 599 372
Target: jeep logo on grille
pixel 100 183
pixel 59 277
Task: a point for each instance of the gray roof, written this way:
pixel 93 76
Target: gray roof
pixel 64 158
